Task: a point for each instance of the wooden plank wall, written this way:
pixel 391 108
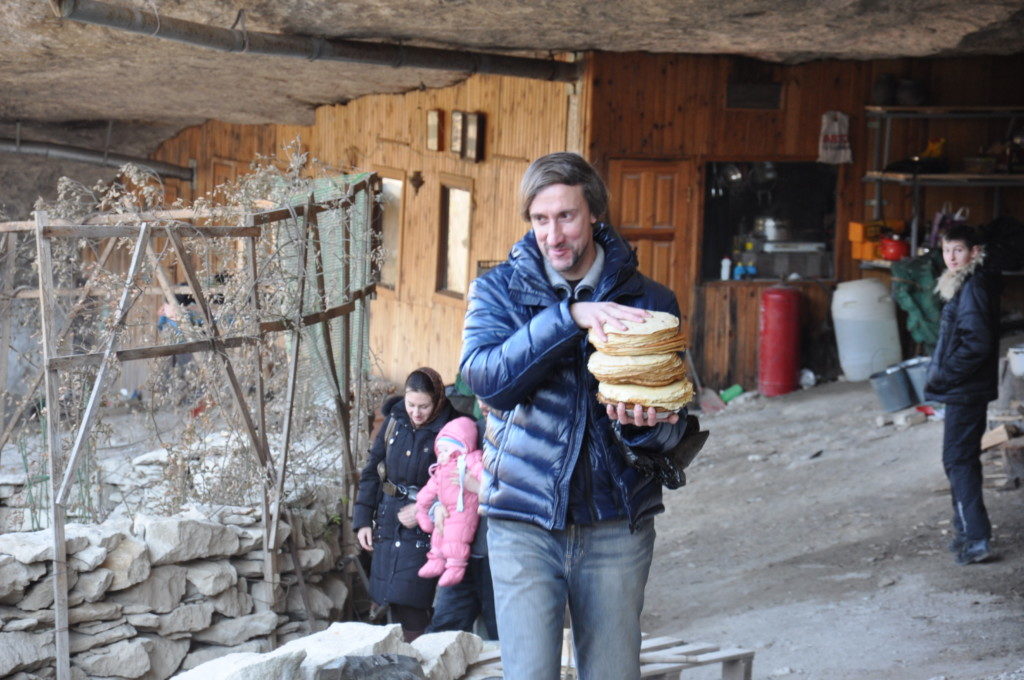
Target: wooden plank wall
pixel 672 108
pixel 413 325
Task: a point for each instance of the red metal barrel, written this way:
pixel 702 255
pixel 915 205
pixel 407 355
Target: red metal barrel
pixel 778 348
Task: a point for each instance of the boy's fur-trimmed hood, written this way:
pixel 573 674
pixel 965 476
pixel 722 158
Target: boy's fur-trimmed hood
pixel 950 281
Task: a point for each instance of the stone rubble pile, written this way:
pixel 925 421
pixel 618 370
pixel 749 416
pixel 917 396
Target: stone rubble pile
pixel 156 595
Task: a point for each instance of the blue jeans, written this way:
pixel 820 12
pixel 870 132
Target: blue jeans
pixel 600 570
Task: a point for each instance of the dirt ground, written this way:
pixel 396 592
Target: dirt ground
pixel 818 540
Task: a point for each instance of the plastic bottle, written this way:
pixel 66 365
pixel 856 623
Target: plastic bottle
pixel 726 268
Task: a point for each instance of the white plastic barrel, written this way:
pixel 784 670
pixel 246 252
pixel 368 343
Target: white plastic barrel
pixel 864 317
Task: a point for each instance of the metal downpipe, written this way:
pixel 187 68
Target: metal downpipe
pixel 145 22
pixel 81 155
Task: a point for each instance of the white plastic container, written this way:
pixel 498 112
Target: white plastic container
pixel 864 316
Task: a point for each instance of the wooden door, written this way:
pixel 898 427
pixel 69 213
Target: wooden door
pixel 654 207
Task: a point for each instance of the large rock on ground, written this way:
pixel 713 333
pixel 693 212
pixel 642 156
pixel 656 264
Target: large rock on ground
pixel 37 546
pixel 235 631
pixel 211 577
pixel 124 659
pixel 25 651
pixel 447 655
pixel 349 639
pixel 165 656
pixel 379 667
pixel 179 540
pixel 277 666
pixel 161 592
pixel 129 562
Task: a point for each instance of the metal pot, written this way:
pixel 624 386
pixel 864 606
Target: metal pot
pixel 772 228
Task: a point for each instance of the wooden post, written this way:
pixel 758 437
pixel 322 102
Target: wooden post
pixel 62 656
pixel 123 305
pixel 7 292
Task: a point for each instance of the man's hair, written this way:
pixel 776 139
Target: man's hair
pixel 963 232
pixel 563 168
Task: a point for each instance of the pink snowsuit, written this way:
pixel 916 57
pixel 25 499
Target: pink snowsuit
pixel 449 550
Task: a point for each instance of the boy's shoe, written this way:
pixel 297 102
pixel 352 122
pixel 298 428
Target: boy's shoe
pixel 973 551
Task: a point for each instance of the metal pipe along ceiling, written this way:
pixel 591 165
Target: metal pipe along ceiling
pixel 141 20
pixel 77 153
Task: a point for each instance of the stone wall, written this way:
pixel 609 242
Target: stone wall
pixel 156 595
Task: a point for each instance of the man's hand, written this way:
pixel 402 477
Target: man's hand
pixel 596 314
pixel 471 483
pixel 637 416
pixel 407 516
pixel 365 538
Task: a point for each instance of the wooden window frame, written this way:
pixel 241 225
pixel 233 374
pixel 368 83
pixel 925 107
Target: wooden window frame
pixel 400 176
pixel 447 182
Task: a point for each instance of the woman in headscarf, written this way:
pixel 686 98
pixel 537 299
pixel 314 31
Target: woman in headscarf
pixel 384 517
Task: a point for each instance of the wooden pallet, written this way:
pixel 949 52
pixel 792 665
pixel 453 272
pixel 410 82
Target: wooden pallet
pixel 1003 465
pixel 661 658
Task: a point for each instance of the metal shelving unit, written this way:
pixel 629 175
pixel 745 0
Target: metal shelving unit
pixel 882 147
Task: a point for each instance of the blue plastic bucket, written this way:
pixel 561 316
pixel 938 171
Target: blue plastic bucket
pixel 893 388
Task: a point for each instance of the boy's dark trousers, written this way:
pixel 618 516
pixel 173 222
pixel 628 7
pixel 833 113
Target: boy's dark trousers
pixel 961 453
pixel 457 607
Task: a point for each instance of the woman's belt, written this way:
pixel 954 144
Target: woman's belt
pixel 400 490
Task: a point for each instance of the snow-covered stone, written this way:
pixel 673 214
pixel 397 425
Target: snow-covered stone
pixel 124 659
pixel 25 651
pixel 447 655
pixel 129 562
pixel 37 546
pixel 211 577
pixel 235 631
pixel 277 666
pixel 161 592
pixel 165 656
pixel 179 540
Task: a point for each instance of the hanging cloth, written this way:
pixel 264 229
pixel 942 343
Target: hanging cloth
pixel 834 140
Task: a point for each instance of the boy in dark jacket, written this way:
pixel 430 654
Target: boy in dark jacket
pixel 963 376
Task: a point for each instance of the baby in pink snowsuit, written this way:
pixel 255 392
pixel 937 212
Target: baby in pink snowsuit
pixel 457 457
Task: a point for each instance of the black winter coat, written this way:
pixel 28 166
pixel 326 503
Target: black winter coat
pixel 398 552
pixel 965 364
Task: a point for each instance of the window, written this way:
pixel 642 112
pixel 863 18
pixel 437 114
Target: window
pixel 391 229
pixel 774 219
pixel 453 253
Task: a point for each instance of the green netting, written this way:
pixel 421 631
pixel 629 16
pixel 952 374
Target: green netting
pixel 346 250
pixel 913 289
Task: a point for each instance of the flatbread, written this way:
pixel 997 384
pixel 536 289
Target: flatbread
pixel 671 397
pixel 650 370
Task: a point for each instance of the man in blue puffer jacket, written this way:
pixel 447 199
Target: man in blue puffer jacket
pixel 569 519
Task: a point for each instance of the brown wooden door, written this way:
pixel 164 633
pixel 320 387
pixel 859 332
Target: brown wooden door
pixel 654 206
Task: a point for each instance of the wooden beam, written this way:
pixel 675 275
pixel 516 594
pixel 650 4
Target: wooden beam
pixel 62 655
pixel 123 306
pixel 125 231
pixel 319 317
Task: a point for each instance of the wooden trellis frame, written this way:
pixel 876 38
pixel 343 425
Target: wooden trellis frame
pixel 169 223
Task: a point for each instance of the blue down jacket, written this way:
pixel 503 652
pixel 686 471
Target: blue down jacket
pixel 524 355
pixel 965 364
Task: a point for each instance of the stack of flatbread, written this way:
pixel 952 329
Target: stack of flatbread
pixel 641 364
